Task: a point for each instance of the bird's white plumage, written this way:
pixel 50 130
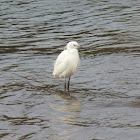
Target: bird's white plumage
pixel 67 62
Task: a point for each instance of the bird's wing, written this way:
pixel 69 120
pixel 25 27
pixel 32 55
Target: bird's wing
pixel 60 63
pixel 61 58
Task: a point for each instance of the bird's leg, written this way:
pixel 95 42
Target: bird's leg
pixel 68 83
pixel 65 85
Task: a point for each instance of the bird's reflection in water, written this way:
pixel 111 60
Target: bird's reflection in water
pixel 68 103
pixel 64 95
pixel 66 111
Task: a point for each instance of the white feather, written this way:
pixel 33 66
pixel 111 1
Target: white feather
pixel 67 62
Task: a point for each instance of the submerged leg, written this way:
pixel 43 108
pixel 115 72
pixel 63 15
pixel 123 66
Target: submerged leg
pixel 68 83
pixel 65 85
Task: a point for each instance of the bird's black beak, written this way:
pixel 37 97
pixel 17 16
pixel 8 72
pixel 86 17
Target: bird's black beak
pixel 78 47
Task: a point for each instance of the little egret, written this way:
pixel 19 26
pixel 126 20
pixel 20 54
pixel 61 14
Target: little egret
pixel 67 62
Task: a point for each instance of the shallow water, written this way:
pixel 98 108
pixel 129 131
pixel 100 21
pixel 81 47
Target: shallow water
pixel 104 99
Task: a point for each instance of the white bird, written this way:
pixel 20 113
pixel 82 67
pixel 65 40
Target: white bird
pixel 67 62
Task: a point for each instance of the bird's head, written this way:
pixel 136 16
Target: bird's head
pixel 73 45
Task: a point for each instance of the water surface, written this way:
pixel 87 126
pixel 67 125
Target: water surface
pixel 104 99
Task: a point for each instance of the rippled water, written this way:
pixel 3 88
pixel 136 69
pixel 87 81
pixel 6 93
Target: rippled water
pixel 104 100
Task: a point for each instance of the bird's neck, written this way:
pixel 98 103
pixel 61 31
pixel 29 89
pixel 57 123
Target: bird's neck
pixel 72 51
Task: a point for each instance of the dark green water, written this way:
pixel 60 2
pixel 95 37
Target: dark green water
pixel 104 99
